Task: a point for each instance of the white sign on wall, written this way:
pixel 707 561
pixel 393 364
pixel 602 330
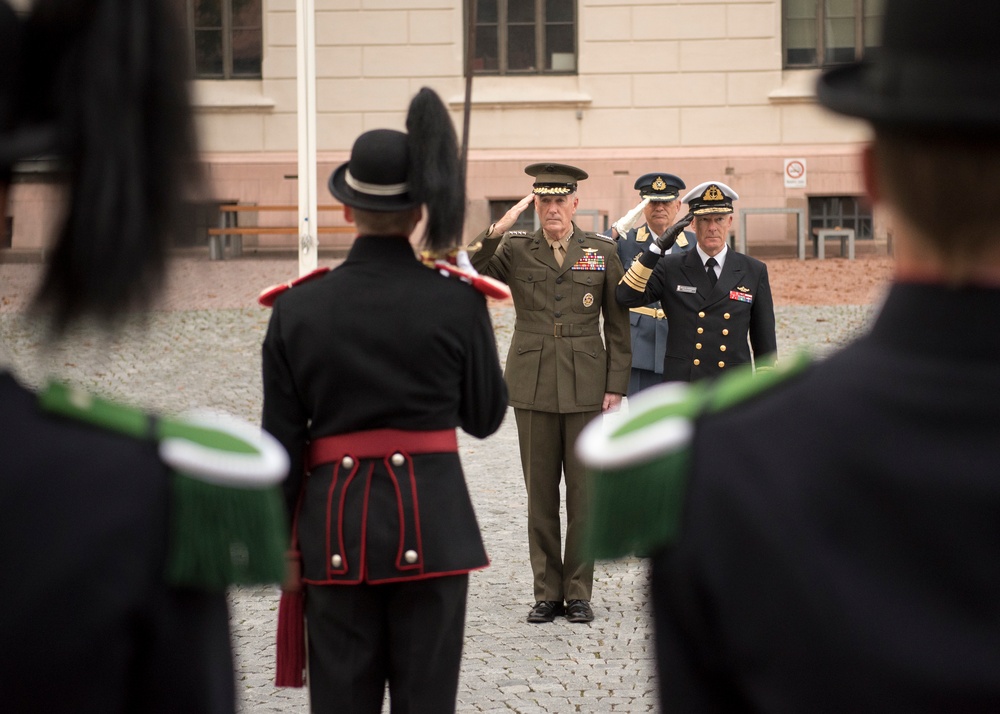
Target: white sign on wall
pixel 795 173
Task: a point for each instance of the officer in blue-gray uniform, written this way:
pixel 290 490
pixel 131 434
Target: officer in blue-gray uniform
pixel 659 207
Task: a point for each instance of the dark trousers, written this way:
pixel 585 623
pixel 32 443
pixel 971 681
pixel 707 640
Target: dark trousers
pixel 639 379
pixel 547 442
pixel 407 634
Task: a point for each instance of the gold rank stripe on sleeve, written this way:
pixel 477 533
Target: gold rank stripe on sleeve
pixel 637 277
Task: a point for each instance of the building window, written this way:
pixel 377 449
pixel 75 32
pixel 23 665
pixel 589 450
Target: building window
pixel 820 33
pixel 841 212
pixel 525 37
pixel 226 38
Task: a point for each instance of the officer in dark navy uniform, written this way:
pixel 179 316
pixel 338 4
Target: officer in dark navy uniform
pixel 714 297
pixel 103 608
pixel 658 205
pixel 835 534
pixel 368 370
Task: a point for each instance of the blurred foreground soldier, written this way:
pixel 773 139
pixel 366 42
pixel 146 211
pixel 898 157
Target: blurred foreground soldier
pixel 659 207
pixel 713 297
pixel 560 371
pixel 119 531
pixel 839 554
pixel 368 369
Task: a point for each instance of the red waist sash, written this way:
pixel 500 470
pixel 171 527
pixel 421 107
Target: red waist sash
pixel 380 442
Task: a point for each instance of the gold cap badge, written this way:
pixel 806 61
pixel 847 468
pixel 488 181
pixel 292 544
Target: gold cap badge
pixel 712 193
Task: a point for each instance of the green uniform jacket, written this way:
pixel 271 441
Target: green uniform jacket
pixel 558 361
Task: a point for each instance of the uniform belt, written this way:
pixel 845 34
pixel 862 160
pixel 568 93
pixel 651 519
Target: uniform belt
pixel 558 329
pixel 380 442
pixel 651 311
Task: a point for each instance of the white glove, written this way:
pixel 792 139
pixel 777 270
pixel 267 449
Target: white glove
pixel 624 224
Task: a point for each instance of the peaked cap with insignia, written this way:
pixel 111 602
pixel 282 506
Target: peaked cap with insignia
pixel 554 179
pixel 710 197
pixel 659 186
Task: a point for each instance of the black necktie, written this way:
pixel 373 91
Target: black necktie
pixel 710 269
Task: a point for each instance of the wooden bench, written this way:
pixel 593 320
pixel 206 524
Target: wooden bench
pixel 228 227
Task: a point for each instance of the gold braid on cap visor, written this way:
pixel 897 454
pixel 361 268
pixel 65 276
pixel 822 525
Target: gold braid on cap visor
pixel 548 190
pixel 375 189
pixel 712 209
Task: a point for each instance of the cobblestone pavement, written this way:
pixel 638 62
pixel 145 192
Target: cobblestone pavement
pixel 202 349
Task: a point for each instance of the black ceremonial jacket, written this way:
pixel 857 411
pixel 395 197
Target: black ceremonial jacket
pixel 87 620
pixel 840 553
pixel 382 342
pixel 709 326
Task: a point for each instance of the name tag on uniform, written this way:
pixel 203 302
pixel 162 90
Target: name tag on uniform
pixel 687 289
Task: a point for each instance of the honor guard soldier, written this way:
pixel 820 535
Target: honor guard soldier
pixel 368 370
pixel 713 296
pixel 824 536
pixel 560 371
pixel 658 205
pixel 120 531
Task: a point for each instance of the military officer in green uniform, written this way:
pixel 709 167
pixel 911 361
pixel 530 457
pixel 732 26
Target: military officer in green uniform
pixel 560 372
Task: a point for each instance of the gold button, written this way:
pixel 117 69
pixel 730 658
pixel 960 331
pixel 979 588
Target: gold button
pixel 700 330
pixel 725 332
pixel 347 463
pixel 398 459
pixel 336 561
pixel 721 365
pixel 722 348
pixel 697 362
pixel 701 314
pixel 410 556
pixel 697 345
pixel 726 316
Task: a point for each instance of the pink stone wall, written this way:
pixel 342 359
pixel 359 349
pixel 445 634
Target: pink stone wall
pixel 755 173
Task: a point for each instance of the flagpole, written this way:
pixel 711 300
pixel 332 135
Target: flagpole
pixel 306 83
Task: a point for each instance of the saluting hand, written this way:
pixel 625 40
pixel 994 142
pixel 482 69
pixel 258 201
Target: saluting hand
pixel 511 216
pixel 624 224
pixel 669 237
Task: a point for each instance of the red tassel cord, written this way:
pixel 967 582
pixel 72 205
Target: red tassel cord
pixel 291 653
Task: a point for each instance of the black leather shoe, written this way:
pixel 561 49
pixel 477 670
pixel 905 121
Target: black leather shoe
pixel 545 611
pixel 579 611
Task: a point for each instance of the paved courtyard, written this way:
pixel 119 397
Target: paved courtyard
pixel 202 349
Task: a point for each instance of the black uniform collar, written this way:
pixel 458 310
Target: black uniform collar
pixel 939 320
pixel 381 248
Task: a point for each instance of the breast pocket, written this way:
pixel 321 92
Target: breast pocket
pixel 588 288
pixel 529 288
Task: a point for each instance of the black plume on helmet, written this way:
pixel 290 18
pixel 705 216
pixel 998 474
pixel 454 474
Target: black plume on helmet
pixel 436 175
